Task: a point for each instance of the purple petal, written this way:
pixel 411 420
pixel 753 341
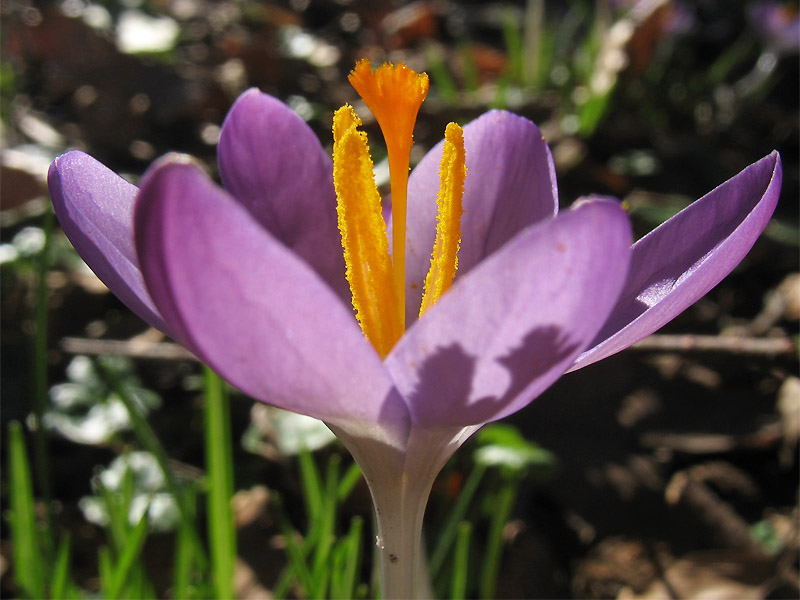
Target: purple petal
pixel 508 329
pixel 253 310
pixel 273 163
pixel 95 208
pixel 681 260
pixel 511 184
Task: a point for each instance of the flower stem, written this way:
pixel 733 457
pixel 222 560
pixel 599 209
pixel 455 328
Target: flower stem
pixel 400 480
pixel 399 510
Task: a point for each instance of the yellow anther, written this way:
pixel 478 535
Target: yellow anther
pixel 366 247
pixel 394 94
pixel 444 259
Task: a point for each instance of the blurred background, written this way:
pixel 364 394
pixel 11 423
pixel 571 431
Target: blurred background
pixel 670 470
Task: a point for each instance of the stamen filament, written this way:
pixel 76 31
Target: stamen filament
pixel 444 258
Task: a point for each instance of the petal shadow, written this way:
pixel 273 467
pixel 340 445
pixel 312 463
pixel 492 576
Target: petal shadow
pixel 512 381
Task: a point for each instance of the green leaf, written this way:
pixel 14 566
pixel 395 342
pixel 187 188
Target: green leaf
pixel 312 484
pixel 219 466
pixel 457 514
pixel 469 69
pixel 184 554
pixel 40 367
pixel 105 568
pixel 440 74
pixel 60 580
pixel 118 524
pixel 458 584
pixel 298 568
pixel 149 441
pixel 320 568
pixel 352 558
pixel 127 559
pixel 348 482
pixel 502 446
pixel 28 568
pixel 512 35
pixel 501 510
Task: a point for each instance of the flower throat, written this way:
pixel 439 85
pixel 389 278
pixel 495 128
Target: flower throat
pixel 394 94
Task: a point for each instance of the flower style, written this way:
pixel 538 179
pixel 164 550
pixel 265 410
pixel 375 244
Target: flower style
pixel 251 276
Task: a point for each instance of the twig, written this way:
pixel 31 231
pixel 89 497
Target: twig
pixel 766 436
pixel 138 348
pixel 717 517
pixel 717 343
pixel 132 348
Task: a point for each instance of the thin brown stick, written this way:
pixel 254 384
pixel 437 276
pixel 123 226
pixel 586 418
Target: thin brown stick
pixel 133 348
pixel 137 348
pixel 757 346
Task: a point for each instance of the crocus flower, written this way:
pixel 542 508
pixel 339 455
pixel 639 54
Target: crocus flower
pixel 252 276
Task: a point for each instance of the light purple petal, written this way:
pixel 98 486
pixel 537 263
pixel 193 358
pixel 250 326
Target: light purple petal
pixel 253 310
pixel 273 163
pixel 511 184
pixel 95 208
pixel 681 260
pixel 508 329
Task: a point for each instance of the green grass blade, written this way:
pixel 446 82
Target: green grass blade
pixel 440 74
pixel 362 591
pixel 118 526
pixel 458 584
pixel 337 570
pixel 105 569
pixel 352 562
pixel 312 484
pixel 297 568
pixel 321 567
pixel 149 441
pixel 40 368
pixel 60 580
pixel 147 591
pixel 728 60
pixel 348 482
pixel 127 559
pixel 494 544
pixel 500 98
pixel 28 568
pixel 592 112
pixel 219 467
pixel 457 514
pixel 320 537
pixel 514 44
pixel 469 68
pixel 783 232
pixel 184 554
pixel 287 577
pixel 532 39
pixel 125 495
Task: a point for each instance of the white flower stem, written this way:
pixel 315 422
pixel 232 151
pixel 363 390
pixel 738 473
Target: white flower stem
pixel 399 510
pixel 400 480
